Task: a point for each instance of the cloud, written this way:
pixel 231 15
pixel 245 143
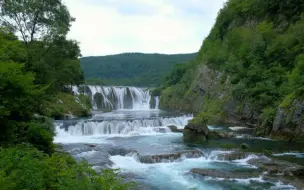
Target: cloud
pixel 149 26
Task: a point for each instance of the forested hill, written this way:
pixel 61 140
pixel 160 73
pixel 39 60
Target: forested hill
pixel 131 68
pixel 249 70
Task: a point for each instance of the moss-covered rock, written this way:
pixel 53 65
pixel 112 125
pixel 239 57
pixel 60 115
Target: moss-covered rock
pixel 195 132
pixel 66 105
pixel 289 120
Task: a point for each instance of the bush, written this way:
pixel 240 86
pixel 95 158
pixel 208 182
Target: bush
pixel 66 103
pixel 24 167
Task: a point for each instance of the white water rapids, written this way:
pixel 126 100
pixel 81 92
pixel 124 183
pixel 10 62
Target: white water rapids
pixel 119 97
pixel 135 130
pixel 122 127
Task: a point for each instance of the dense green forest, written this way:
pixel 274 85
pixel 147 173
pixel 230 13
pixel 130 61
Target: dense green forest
pixel 252 56
pixel 131 68
pixel 37 64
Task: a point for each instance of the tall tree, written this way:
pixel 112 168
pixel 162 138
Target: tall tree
pixel 42 20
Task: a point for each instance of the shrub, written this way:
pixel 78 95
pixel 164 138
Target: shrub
pixel 25 167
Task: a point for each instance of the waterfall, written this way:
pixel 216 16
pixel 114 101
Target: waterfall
pixel 157 102
pixel 119 97
pixel 122 127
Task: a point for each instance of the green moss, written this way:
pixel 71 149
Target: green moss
pixel 212 111
pixel 267 116
pixel 66 103
pixel 288 100
pixel 24 167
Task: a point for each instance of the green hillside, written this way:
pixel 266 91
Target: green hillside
pixel 249 70
pixel 131 68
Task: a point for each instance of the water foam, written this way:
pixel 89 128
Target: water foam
pixel 123 127
pixel 295 154
pixel 119 97
pixel 169 175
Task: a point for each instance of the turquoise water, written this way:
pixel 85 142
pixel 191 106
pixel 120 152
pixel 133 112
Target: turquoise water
pixel 120 150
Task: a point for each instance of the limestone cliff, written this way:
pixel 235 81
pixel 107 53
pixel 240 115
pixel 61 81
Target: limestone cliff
pixel 249 70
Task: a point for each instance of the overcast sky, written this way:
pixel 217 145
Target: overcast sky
pixel 106 27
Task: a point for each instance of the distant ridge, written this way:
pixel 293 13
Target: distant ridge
pixel 137 69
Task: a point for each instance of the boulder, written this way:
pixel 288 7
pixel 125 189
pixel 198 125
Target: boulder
pixel 220 135
pixel 278 167
pixel 199 128
pixel 224 174
pixel 91 145
pixel 149 159
pixel 121 151
pixel 245 146
pixel 174 129
pixel 234 156
pixel 289 122
pixel 195 133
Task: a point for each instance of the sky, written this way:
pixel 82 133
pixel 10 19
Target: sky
pixel 106 27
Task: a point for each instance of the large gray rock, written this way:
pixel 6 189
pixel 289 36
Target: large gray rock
pixel 289 122
pixel 224 174
pixel 149 159
pixel 195 133
pixel 174 129
pixel 220 135
pixel 237 155
pixel 278 167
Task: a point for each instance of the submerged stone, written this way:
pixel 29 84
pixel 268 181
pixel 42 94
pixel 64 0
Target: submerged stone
pixel 224 174
pixel 169 157
pixel 235 155
pixel 195 133
pixel 220 135
pixel 245 146
pixel 174 129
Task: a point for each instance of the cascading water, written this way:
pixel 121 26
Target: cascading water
pixel 123 127
pixel 157 99
pixel 117 98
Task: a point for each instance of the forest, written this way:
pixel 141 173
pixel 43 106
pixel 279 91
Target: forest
pixel 255 47
pixel 37 65
pixel 136 69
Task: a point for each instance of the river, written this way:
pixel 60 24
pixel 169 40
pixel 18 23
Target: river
pixel 135 138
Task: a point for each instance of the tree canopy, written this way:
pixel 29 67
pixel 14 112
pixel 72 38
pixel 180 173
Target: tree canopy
pixel 131 68
pixel 38 64
pixel 258 44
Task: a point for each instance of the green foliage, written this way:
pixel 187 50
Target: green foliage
pixel 131 68
pixel 202 118
pixel 33 72
pixel 36 19
pixel 10 48
pixel 19 100
pixel 24 167
pixel 296 79
pixel 288 100
pixel 259 45
pixel 94 81
pixel 267 116
pixel 65 103
pixel 212 112
pixel 177 84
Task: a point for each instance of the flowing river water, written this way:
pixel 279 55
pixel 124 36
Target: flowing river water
pixel 136 139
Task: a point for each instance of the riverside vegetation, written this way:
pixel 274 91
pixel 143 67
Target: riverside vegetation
pixel 249 70
pixel 35 72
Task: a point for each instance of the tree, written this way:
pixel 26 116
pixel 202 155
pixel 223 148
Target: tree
pixel 20 98
pixel 36 19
